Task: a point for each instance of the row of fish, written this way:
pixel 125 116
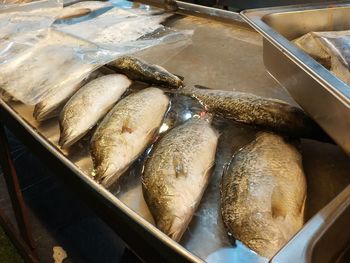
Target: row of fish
pixel 263 189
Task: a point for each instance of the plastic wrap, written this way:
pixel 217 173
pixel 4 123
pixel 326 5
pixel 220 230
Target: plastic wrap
pixel 46 60
pixel 20 18
pixel 125 30
pixel 82 8
pixel 11 2
pixel 331 49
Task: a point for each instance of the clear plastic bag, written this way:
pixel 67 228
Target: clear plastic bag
pixel 331 49
pixel 12 2
pixel 37 61
pixel 125 30
pixel 82 8
pixel 20 18
pixel 50 61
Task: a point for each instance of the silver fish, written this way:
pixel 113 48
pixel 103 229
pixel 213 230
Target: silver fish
pixel 52 104
pixel 89 105
pixel 270 114
pixel 177 173
pixel 126 132
pixel 137 69
pixel 263 194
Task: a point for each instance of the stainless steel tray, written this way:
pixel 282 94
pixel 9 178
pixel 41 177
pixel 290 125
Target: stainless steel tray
pixel 222 55
pixel 325 97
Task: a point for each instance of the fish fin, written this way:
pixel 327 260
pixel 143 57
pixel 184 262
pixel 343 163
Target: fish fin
pixel 178 165
pixel 126 128
pixel 277 210
pixel 152 134
pixel 201 87
pixel 180 77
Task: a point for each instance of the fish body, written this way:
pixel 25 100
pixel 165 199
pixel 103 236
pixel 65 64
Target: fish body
pixel 136 69
pixel 82 8
pixel 263 193
pixel 89 105
pixel 177 174
pixel 51 105
pixel 270 114
pixel 126 131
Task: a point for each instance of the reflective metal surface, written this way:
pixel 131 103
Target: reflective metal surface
pixel 325 97
pixel 222 55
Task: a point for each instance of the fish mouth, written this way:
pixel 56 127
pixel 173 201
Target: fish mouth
pixel 65 142
pixel 42 114
pixel 39 113
pixel 175 230
pixel 68 139
pixel 106 175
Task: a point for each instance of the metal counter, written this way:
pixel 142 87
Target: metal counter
pixel 223 54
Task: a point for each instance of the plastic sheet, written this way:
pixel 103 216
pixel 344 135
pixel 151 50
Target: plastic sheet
pixel 125 30
pixel 46 60
pixel 82 8
pixel 20 18
pixel 331 49
pixel 11 2
pixel 52 58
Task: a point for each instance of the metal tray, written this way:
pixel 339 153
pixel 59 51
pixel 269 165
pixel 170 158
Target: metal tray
pixel 222 55
pixel 325 97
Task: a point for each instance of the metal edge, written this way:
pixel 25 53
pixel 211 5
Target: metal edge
pixel 102 191
pixel 334 85
pixel 198 9
pixel 304 241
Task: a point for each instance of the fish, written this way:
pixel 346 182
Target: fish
pixel 137 69
pixel 68 12
pixel 82 8
pixel 52 104
pixel 266 113
pixel 263 193
pixel 89 105
pixel 125 133
pixel 177 173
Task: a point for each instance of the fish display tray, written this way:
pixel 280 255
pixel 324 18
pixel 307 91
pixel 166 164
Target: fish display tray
pixel 324 96
pixel 320 93
pixel 224 54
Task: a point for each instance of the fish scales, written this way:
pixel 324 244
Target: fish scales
pixel 263 194
pixel 177 173
pixel 270 114
pixel 126 131
pixel 89 105
pixel 137 69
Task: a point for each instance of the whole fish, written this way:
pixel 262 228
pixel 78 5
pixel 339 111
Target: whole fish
pixel 51 105
pixel 126 132
pixel 177 174
pixel 89 105
pixel 270 114
pixel 136 69
pixel 263 194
